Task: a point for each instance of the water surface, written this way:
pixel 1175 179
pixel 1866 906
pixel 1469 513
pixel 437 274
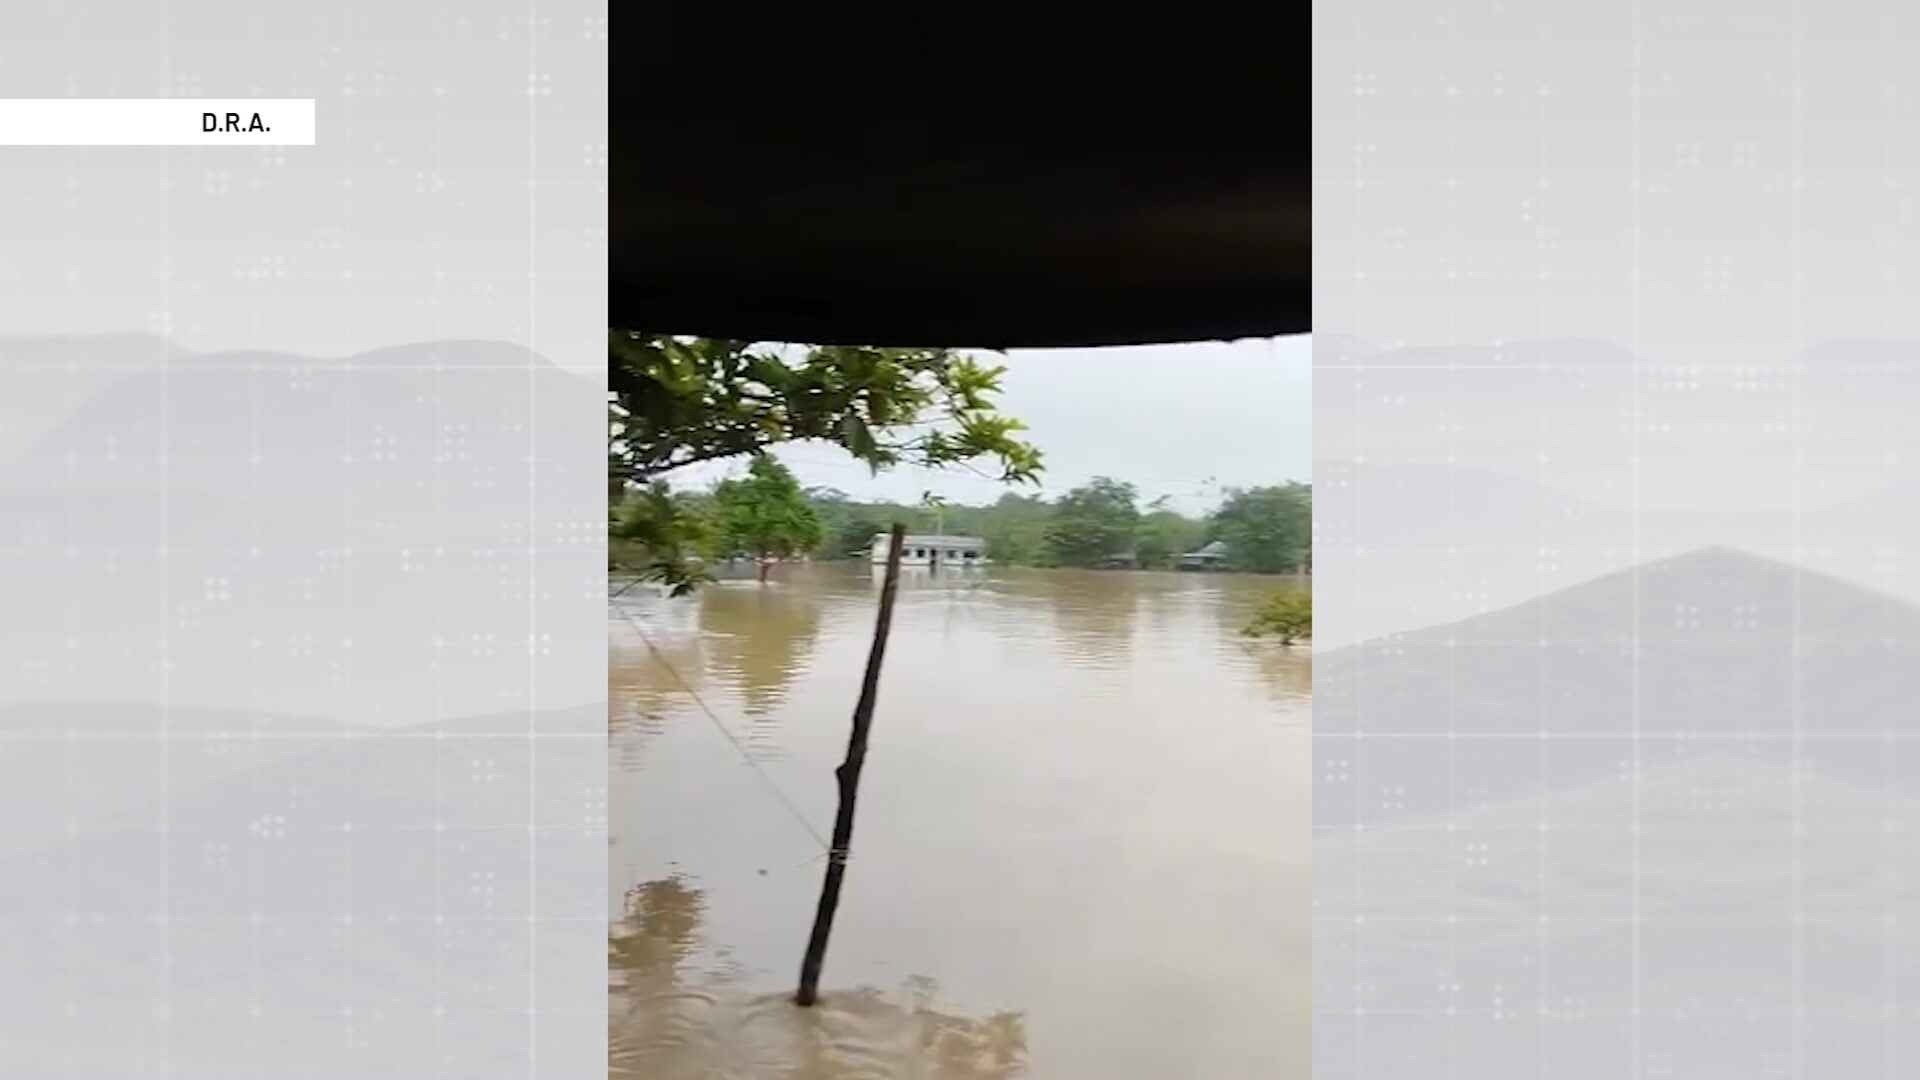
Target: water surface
pixel 1082 842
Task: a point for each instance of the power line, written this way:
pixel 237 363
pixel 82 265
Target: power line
pixel 719 726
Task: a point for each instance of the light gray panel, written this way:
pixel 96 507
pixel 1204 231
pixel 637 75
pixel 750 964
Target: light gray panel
pixel 301 550
pixel 1615 353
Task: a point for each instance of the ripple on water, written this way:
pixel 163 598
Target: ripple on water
pixel 1021 723
pixel 727 1033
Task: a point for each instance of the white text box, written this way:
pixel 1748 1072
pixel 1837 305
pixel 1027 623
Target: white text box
pixel 156 121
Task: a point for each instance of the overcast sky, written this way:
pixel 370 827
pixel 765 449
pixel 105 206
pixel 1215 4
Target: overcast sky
pixel 1176 420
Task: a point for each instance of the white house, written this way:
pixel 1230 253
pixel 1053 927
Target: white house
pixel 933 550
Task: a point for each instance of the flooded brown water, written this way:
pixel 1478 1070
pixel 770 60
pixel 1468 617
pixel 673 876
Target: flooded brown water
pixel 1081 850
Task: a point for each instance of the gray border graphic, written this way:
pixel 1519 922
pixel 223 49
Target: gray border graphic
pixel 1613 368
pixel 302 746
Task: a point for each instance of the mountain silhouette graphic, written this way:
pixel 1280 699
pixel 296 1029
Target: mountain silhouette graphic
pixel 258 510
pixel 1715 651
pixel 435 400
pixel 1544 875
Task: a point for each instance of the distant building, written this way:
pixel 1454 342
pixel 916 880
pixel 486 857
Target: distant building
pixel 933 551
pixel 1211 557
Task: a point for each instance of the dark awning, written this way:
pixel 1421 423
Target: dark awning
pixel 958 180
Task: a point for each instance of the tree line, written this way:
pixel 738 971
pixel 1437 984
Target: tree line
pixel 1103 522
pixel 678 401
pixel 767 515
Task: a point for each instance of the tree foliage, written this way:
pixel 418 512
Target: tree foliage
pixel 854 536
pixel 1163 535
pixel 662 535
pixel 848 526
pixel 1284 616
pixel 1267 530
pixel 766 514
pixel 678 401
pixel 1093 523
pixel 1084 528
pixel 1015 529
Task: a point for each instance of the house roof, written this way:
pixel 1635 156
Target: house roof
pixel 1217 548
pixel 967 182
pixel 948 540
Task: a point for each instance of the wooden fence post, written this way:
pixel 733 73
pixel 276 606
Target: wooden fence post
pixel 848 776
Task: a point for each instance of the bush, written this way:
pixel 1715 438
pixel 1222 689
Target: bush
pixel 1287 616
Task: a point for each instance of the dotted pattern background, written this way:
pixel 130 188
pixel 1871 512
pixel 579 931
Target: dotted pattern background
pixel 1614 359
pixel 302 670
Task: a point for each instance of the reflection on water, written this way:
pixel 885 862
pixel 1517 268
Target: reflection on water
pixel 657 935
pixel 1095 613
pixel 759 638
pixel 668 1020
pixel 1287 672
pixel 1085 814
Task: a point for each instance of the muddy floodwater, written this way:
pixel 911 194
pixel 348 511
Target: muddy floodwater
pixel 1081 850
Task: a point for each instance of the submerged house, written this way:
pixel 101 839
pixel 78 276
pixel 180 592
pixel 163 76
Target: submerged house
pixel 933 550
pixel 1211 557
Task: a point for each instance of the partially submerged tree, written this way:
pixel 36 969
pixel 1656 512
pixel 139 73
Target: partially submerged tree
pixel 767 515
pixel 1015 529
pixel 1164 534
pixel 1268 530
pixel 674 402
pixel 1092 523
pixel 1285 616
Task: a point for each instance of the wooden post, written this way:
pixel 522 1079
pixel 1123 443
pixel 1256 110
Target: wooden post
pixel 848 776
